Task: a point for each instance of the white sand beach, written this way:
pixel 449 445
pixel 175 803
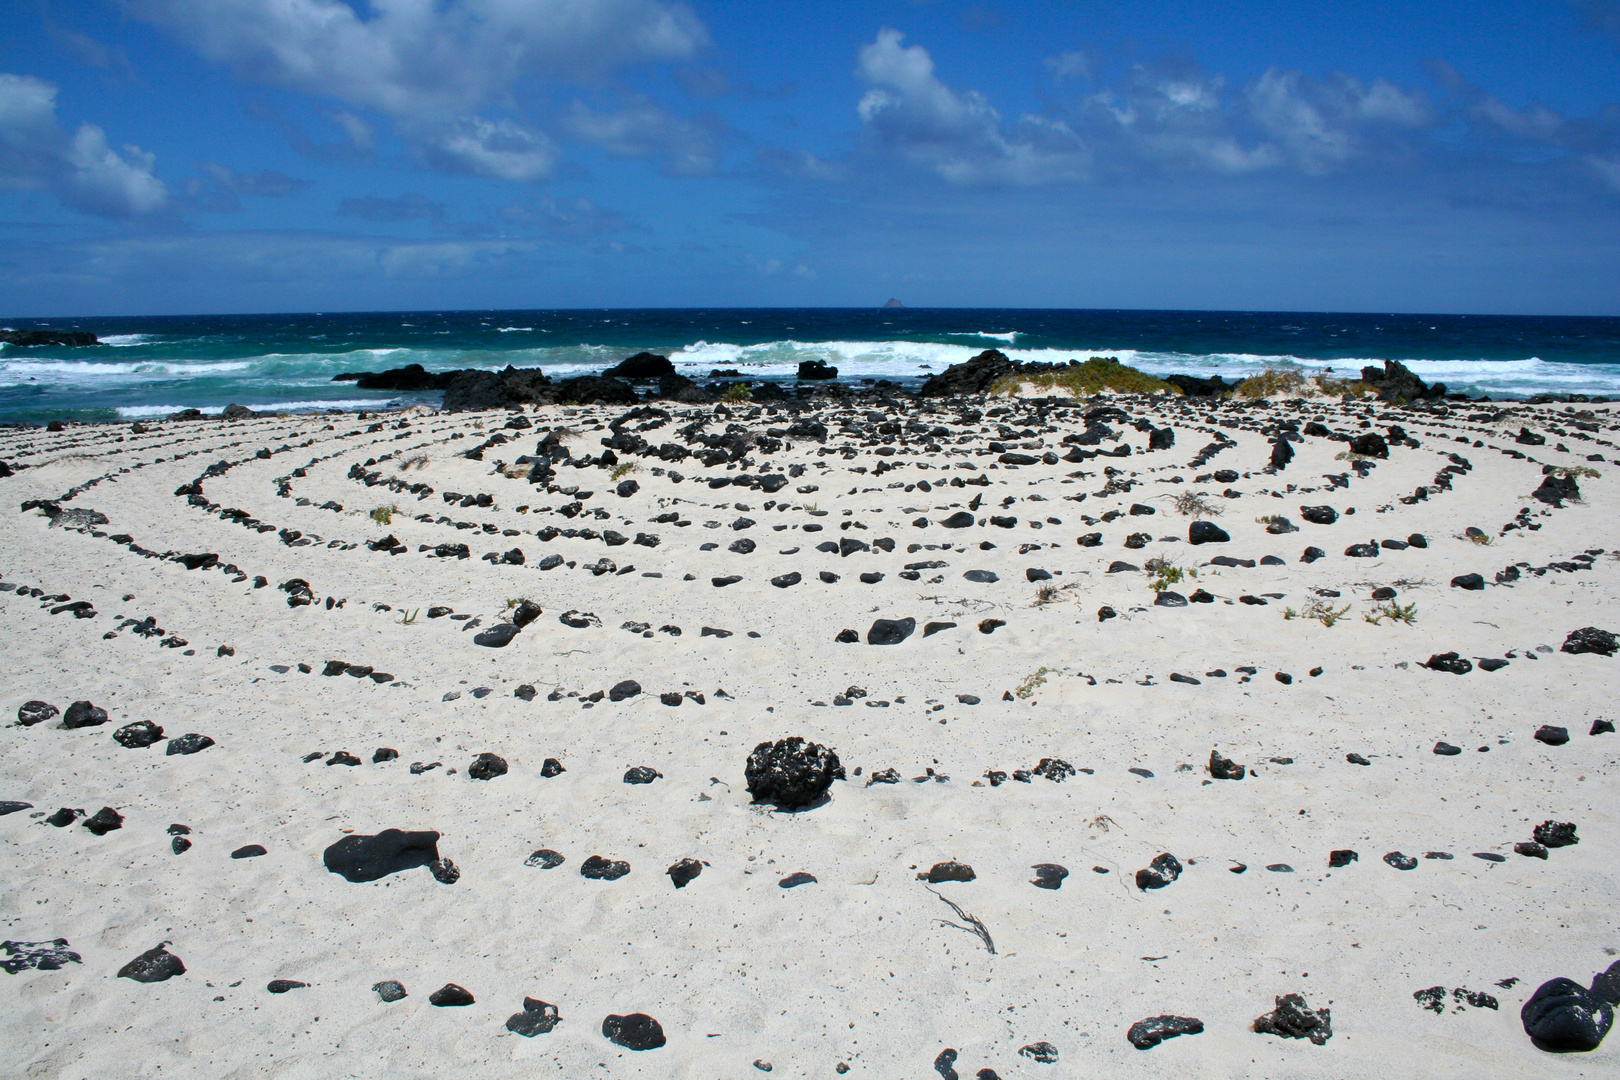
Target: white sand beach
pixel 1285 668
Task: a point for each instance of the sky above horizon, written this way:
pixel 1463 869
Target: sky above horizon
pixel 199 156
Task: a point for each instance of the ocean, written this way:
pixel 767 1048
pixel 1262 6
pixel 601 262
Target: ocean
pixel 152 366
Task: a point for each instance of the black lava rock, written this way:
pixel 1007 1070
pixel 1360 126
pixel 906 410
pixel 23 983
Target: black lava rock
pixel 343 757
pixel 1589 639
pixel 641 774
pixel 537 1018
pixel 1319 515
pixel 450 996
pixel 140 734
pixel 105 821
pixel 36 955
pixel 791 773
pixel 629 688
pixel 1450 663
pixel 1146 1034
pixel 599 869
pixel 1342 857
pixel 487 767
pixel 793 881
pixel 359 857
pixel 1556 834
pixel 1562 1015
pixel 390 990
pixel 638 1031
pixel 190 743
pixel 552 767
pixel 1400 861
pixel 1043 1052
pixel 1161 871
pixel 1445 749
pixel 1206 532
pixel 948 871
pixel 498 636
pixel 82 714
pixel 545 859
pixel 525 613
pixel 1552 736
pixel 890 631
pixel 384 753
pixel 1293 1019
pixel 1222 768
pixel 1049 875
pixel 281 986
pixel 154 965
pixel 37 712
pixel 249 851
pixel 684 871
pixel 444 871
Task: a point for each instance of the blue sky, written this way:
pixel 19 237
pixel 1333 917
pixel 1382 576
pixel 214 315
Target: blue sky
pixel 189 156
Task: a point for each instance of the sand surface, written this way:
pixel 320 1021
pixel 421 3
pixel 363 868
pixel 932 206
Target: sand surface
pixel 861 968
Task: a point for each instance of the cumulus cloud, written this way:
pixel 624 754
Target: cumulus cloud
pixel 1157 117
pixel 436 67
pixel 501 149
pixel 957 135
pixel 81 169
pixel 643 129
pixel 415 57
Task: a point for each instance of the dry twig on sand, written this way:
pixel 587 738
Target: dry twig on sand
pixel 974 927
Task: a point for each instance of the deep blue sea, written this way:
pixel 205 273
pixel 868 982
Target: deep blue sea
pixel 153 366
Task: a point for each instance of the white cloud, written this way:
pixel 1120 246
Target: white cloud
pixel 502 149
pixel 1607 170
pixel 1069 65
pixel 643 129
pixel 436 65
pixel 416 57
pixel 81 170
pixel 959 136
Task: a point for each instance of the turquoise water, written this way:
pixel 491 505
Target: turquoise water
pixel 154 366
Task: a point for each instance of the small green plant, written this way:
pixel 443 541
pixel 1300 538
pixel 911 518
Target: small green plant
pixel 1273 382
pixel 1194 504
pixel 1389 609
pixel 737 392
pixel 384 515
pixel 419 461
pixel 1163 574
pixel 1268 519
pixel 1087 379
pixel 619 471
pixel 1578 470
pixel 1318 609
pixel 1029 685
pixel 406 618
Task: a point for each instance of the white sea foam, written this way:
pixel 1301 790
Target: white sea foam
pixel 145 412
pixel 124 341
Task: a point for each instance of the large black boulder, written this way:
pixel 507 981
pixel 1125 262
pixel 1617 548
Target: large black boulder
pixel 1206 532
pixel 498 389
pixel 810 370
pixel 1563 1015
pixel 358 857
pixel 1555 489
pixel 791 772
pixel 1370 444
pixel 972 377
pixel 410 378
pixel 1396 383
pixel 595 390
pixel 643 365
